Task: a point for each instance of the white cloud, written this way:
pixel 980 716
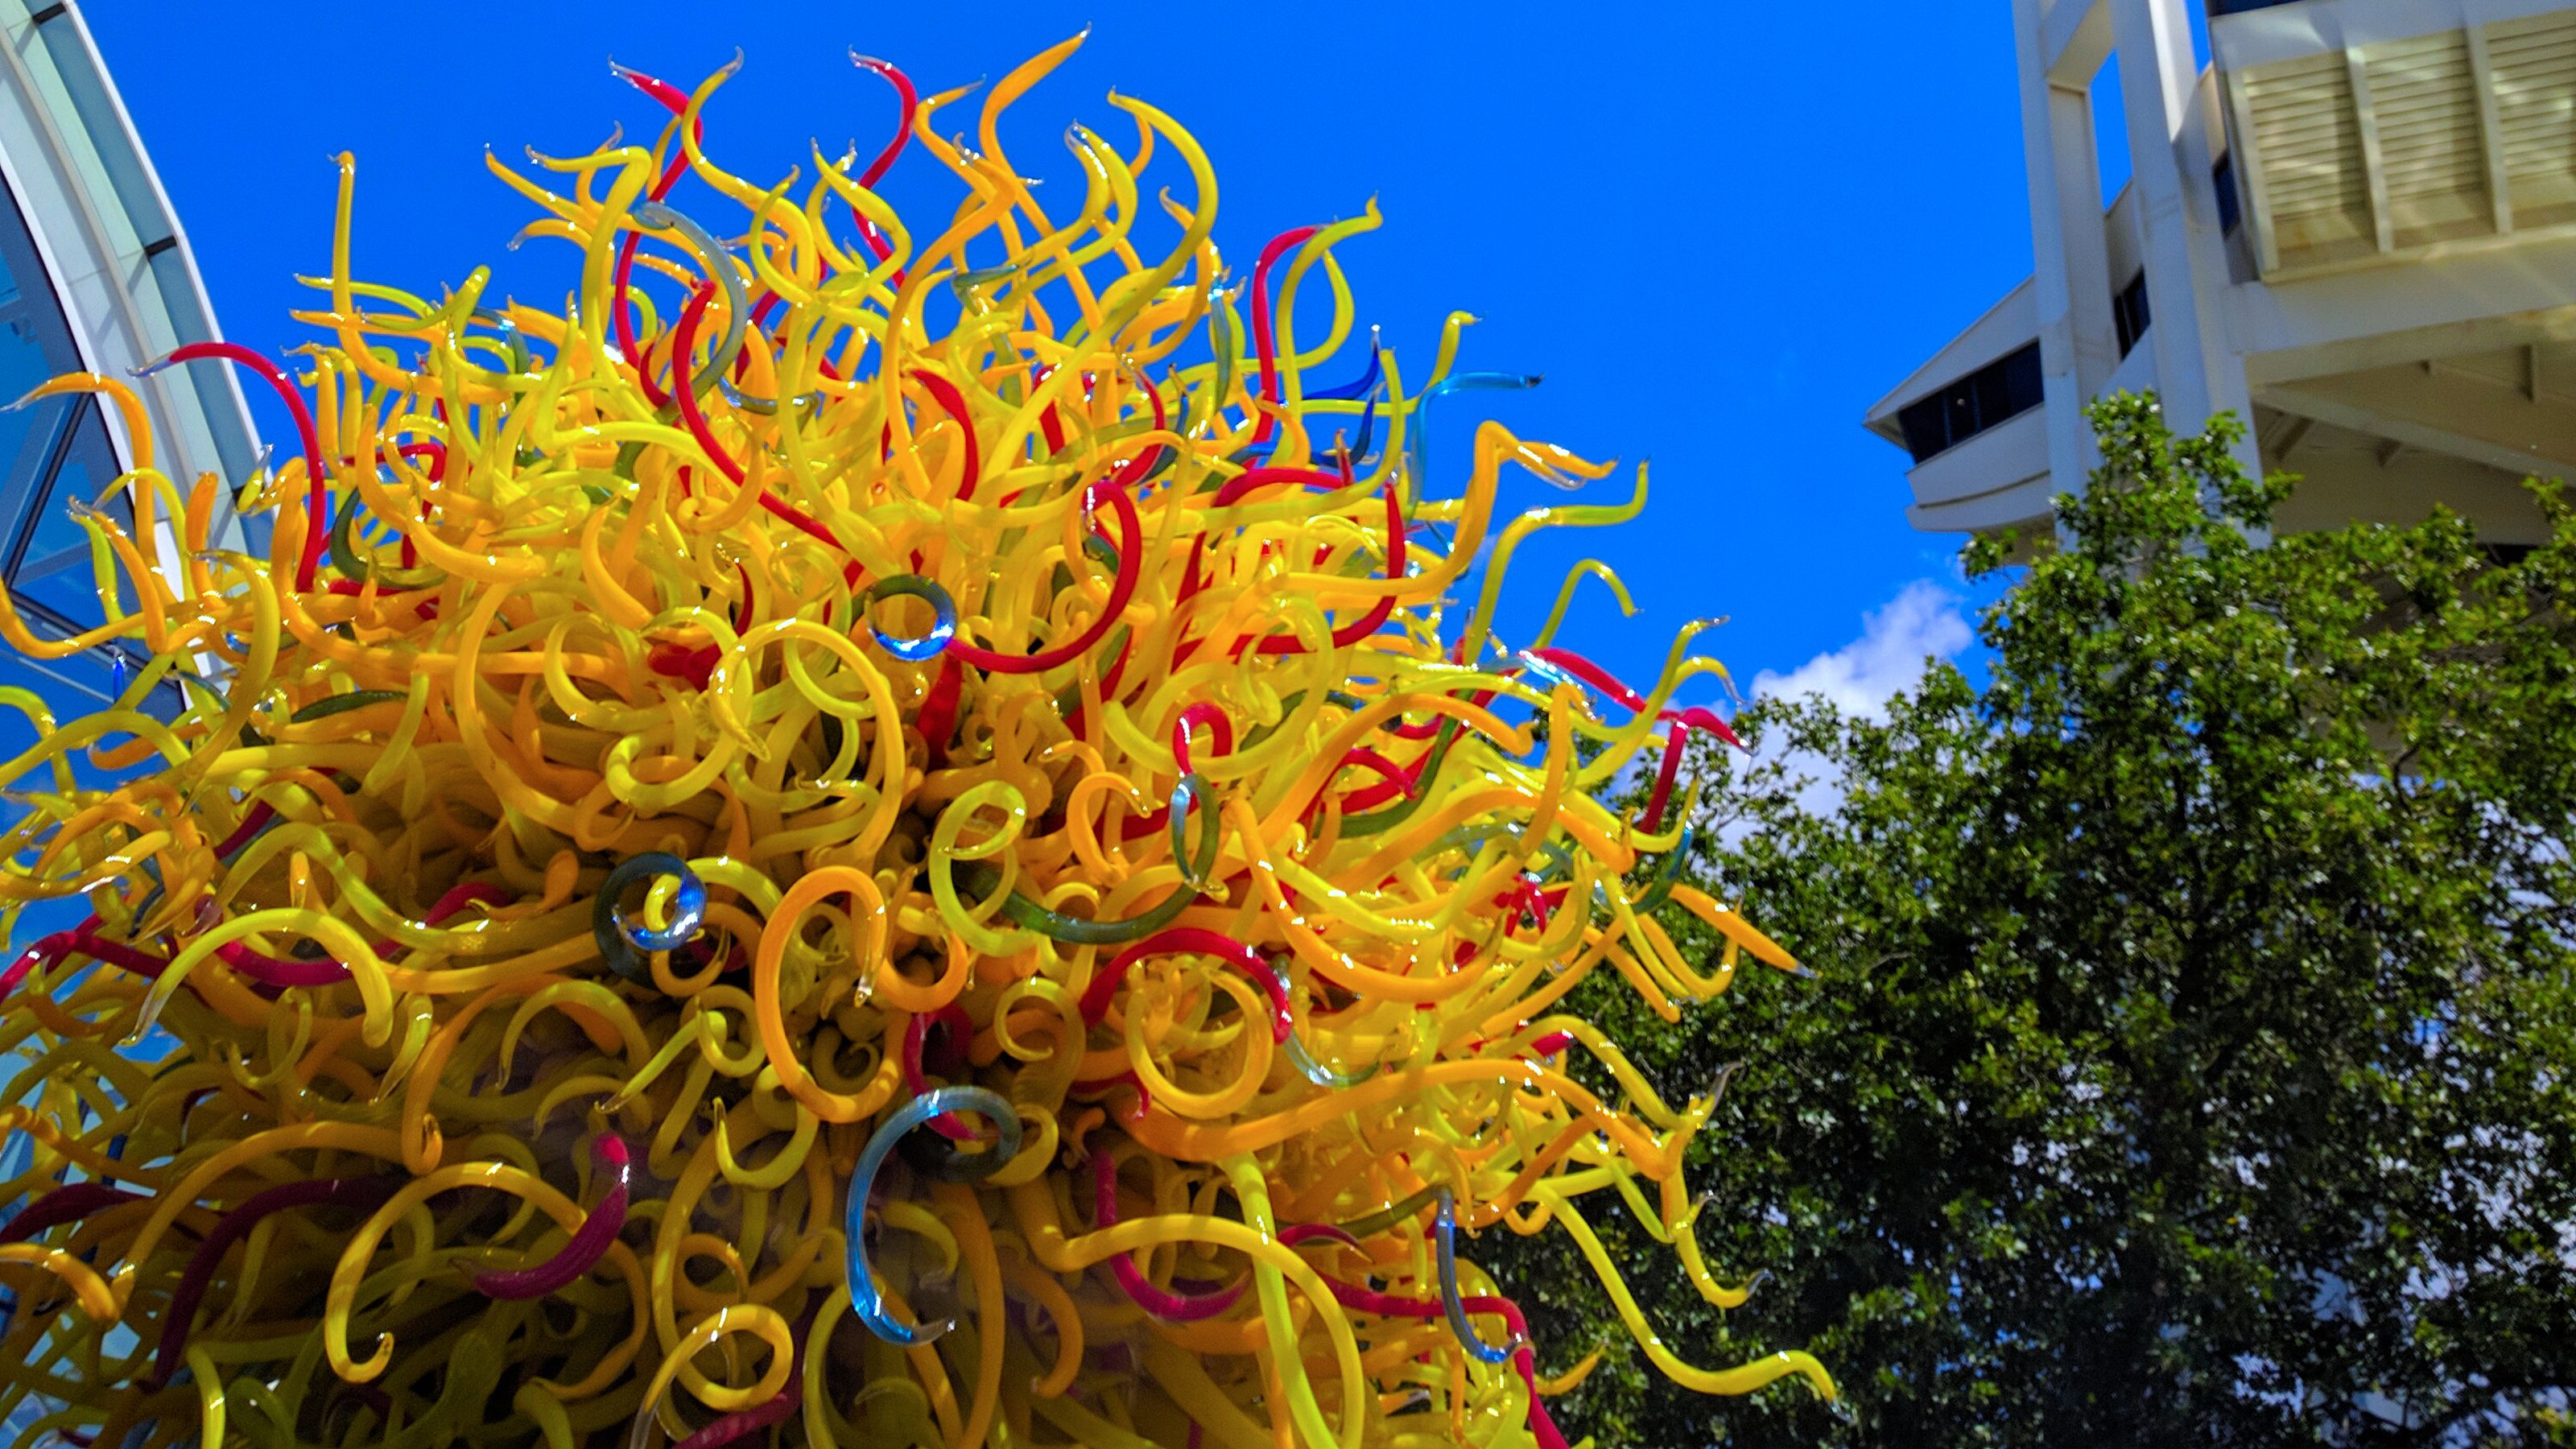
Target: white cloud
pixel 1922 621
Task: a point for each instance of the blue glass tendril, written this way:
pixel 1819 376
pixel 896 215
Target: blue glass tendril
pixel 1445 1228
pixel 865 1301
pixel 943 622
pixel 624 939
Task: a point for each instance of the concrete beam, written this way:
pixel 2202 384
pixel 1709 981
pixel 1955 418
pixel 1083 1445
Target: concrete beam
pixel 2458 283
pixel 2414 344
pixel 2197 372
pixel 2072 275
pixel 2283 437
pixel 2430 415
pixel 2075 38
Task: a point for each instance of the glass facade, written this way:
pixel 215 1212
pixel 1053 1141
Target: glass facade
pixel 58 459
pixel 94 274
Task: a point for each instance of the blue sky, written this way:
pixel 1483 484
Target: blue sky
pixel 1719 232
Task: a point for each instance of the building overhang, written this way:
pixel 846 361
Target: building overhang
pixel 2007 325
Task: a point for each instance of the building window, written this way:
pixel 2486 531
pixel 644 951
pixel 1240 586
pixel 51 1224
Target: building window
pixel 2129 312
pixel 1988 397
pixel 2231 209
pixel 54 458
pixel 2239 7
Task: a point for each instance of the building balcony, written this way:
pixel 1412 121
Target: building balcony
pixel 1997 478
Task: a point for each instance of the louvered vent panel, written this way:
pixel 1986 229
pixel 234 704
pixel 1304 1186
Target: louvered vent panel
pixel 2534 68
pixel 2424 97
pixel 2309 146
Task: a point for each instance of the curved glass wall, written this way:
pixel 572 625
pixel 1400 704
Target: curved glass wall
pixel 58 461
pixel 95 274
pixel 99 123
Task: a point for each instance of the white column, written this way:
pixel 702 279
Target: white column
pixel 2199 373
pixel 2071 279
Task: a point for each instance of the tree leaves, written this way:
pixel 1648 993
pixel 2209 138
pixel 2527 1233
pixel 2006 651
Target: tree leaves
pixel 2193 1048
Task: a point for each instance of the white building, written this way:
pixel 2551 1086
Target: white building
pixel 2355 228
pixel 95 276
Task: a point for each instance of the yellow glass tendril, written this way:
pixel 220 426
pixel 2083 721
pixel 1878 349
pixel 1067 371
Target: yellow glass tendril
pixel 974 714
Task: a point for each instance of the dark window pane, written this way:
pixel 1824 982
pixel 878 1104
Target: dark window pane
pixel 53 566
pixel 53 579
pixel 1924 433
pixel 35 341
pixel 1994 404
pixel 2230 205
pixel 2129 313
pixel 1959 401
pixel 2024 388
pixel 29 438
pixel 35 344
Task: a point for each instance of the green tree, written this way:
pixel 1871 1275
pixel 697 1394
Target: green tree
pixel 2190 1055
